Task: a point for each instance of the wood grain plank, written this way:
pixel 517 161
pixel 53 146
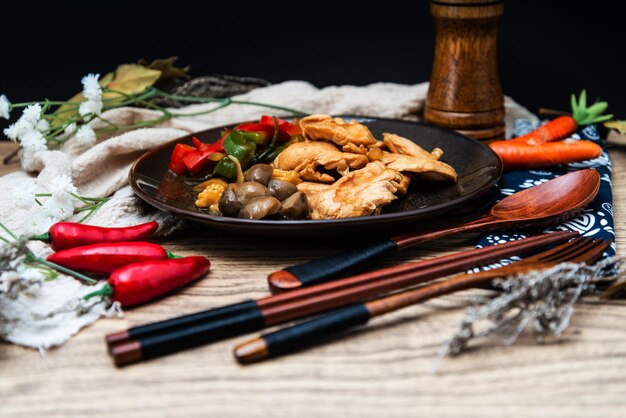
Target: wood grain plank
pixel 383 370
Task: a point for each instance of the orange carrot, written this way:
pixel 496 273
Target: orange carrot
pixel 543 146
pixel 564 126
pixel 556 129
pixel 517 155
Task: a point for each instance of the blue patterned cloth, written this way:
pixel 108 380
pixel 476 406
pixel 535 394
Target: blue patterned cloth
pixel 595 221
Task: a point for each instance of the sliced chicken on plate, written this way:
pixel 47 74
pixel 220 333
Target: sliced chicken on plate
pixel 306 157
pixel 351 136
pixel 358 193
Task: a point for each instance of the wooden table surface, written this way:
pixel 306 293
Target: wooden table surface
pixel 383 370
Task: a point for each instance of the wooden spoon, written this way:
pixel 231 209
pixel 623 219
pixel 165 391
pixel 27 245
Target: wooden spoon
pixel 540 206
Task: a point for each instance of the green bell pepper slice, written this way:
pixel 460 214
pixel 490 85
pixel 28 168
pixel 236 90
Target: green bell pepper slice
pixel 225 168
pixel 236 145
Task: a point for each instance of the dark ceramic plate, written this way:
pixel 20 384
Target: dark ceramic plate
pixel 478 168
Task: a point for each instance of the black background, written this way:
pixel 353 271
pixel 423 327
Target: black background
pixel 547 49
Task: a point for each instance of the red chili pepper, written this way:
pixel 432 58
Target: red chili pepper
pixel 197 160
pixel 107 257
pixel 63 235
pixel 177 165
pixel 141 282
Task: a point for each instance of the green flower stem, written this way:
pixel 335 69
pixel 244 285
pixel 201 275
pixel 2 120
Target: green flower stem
pixel 54 266
pixel 137 99
pixel 108 122
pixel 51 102
pixel 89 214
pixel 59 129
pixel 8 231
pixel 86 208
pixel 136 125
pixel 90 199
pixel 131 99
pixel 45 107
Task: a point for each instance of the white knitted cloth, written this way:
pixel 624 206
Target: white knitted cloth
pixel 46 315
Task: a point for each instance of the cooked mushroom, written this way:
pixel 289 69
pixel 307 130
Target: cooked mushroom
pixel 261 173
pixel 280 189
pixel 295 206
pixel 229 203
pixel 249 190
pixel 260 207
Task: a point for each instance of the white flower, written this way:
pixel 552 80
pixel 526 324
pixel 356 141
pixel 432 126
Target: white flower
pixel 31 114
pixel 93 95
pixel 62 185
pixel 42 125
pixel 12 132
pixel 24 196
pixel 90 107
pixel 38 223
pixel 5 106
pixel 91 88
pixel 32 143
pixel 26 124
pixel 58 207
pixel 85 136
pixel 70 129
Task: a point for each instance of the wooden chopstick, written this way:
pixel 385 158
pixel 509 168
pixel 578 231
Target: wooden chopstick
pixel 495 252
pixel 153 340
pixel 312 332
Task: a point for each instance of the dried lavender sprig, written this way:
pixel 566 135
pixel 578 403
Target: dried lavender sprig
pixel 544 299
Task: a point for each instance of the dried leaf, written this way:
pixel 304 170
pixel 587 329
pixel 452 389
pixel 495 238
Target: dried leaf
pixel 127 78
pixel 169 72
pixel 618 125
pixel 132 78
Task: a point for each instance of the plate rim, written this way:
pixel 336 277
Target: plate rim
pixel 238 222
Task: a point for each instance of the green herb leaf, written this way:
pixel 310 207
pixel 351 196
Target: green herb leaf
pixel 584 115
pixel 597 108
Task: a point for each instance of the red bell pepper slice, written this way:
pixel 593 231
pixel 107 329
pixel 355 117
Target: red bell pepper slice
pixel 177 165
pixel 267 129
pixel 198 160
pixel 283 125
pixel 214 147
pixel 256 127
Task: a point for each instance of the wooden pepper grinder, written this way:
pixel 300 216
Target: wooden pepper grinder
pixel 465 92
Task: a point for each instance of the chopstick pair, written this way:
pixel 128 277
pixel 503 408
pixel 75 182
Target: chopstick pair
pixel 320 329
pixel 164 337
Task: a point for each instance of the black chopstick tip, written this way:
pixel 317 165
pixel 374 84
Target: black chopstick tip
pixel 282 280
pixel 251 351
pixel 126 353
